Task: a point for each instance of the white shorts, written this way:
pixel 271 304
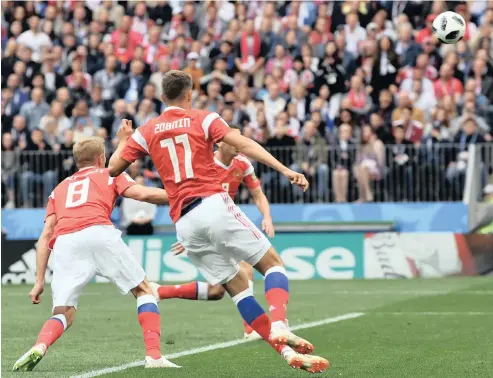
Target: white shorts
pixel 217 235
pixel 96 250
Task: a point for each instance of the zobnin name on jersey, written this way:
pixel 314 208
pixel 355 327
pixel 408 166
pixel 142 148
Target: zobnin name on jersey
pixel 178 124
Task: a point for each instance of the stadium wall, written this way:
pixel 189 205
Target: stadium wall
pixel 409 217
pixel 305 255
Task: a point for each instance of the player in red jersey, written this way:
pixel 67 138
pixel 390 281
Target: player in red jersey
pixel 233 169
pixel 85 243
pixel 214 231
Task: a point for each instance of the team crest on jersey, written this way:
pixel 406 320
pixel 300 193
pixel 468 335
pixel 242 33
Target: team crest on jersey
pixel 238 174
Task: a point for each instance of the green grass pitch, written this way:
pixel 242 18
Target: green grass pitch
pixel 410 328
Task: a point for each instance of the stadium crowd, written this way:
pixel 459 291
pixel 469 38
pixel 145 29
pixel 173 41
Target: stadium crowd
pixel 358 95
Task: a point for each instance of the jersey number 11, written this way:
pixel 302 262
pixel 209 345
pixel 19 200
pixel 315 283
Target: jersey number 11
pixel 170 144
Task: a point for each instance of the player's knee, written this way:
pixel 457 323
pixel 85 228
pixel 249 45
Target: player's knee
pixel 269 260
pixel 215 293
pixel 67 311
pixel 142 289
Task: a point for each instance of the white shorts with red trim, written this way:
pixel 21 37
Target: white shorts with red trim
pixel 94 251
pixel 217 236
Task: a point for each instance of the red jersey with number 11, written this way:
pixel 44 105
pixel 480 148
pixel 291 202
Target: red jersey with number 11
pixel 180 143
pixel 85 199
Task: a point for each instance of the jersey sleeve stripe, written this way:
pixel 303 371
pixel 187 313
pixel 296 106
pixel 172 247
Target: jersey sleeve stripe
pixel 249 171
pixel 139 138
pixel 206 123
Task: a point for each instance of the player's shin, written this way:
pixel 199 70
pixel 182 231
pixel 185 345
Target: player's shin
pixel 277 293
pixel 192 291
pixel 51 331
pixel 150 322
pixel 246 326
pixel 252 313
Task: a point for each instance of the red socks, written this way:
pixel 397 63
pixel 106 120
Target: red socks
pixel 277 292
pixel 278 302
pixel 52 330
pixel 185 291
pixel 150 321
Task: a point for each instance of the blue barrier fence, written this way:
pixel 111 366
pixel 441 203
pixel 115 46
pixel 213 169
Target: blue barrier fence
pixel 410 217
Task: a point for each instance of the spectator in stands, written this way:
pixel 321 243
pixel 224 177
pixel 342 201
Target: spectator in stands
pixel 137 216
pixel 132 86
pixel 145 112
pixel 469 111
pixel 404 102
pixel 19 97
pixel 219 74
pixel 358 99
pixel 446 84
pixel 251 54
pixel 439 127
pixel 37 168
pixel 406 48
pixel 401 160
pixel 413 130
pixel 194 70
pixel 9 167
pixel 56 116
pixel 342 158
pixel 484 82
pixel 456 170
pixel 120 113
pixel 34 38
pixel 385 68
pixel 370 162
pixel 279 145
pixel 381 129
pixel 311 159
pixel 109 79
pixel 157 77
pixel 67 158
pixel 19 131
pixel 274 103
pixel 35 109
pixel 354 33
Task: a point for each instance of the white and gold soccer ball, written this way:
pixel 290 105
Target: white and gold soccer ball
pixel 449 27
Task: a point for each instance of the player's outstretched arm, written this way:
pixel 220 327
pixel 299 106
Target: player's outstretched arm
pixel 117 165
pixel 146 194
pixel 263 205
pixel 256 152
pixel 42 256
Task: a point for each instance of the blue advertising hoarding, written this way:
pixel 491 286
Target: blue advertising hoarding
pixel 409 217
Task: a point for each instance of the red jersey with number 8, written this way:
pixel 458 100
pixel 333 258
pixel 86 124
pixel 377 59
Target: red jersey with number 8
pixel 180 143
pixel 85 199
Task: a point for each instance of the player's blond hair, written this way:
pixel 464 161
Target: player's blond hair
pixel 87 151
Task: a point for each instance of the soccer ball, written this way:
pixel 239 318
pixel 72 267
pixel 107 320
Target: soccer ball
pixel 449 27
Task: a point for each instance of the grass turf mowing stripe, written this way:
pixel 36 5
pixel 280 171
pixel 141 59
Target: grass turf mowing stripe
pixel 208 348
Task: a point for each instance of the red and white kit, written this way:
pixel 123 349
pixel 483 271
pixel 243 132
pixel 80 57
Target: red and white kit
pixel 239 171
pixel 85 243
pixel 213 230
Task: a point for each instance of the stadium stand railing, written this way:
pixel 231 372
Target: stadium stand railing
pixel 404 173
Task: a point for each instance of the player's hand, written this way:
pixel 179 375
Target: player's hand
pixel 177 248
pixel 35 293
pixel 125 131
pixel 268 227
pixel 296 178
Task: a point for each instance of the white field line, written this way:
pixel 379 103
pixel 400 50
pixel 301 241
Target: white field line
pixel 433 313
pixel 411 292
pixel 208 348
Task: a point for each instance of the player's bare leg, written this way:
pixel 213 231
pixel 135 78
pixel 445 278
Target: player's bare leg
pixel 249 331
pixel 50 332
pixel 277 295
pixel 150 322
pixel 194 291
